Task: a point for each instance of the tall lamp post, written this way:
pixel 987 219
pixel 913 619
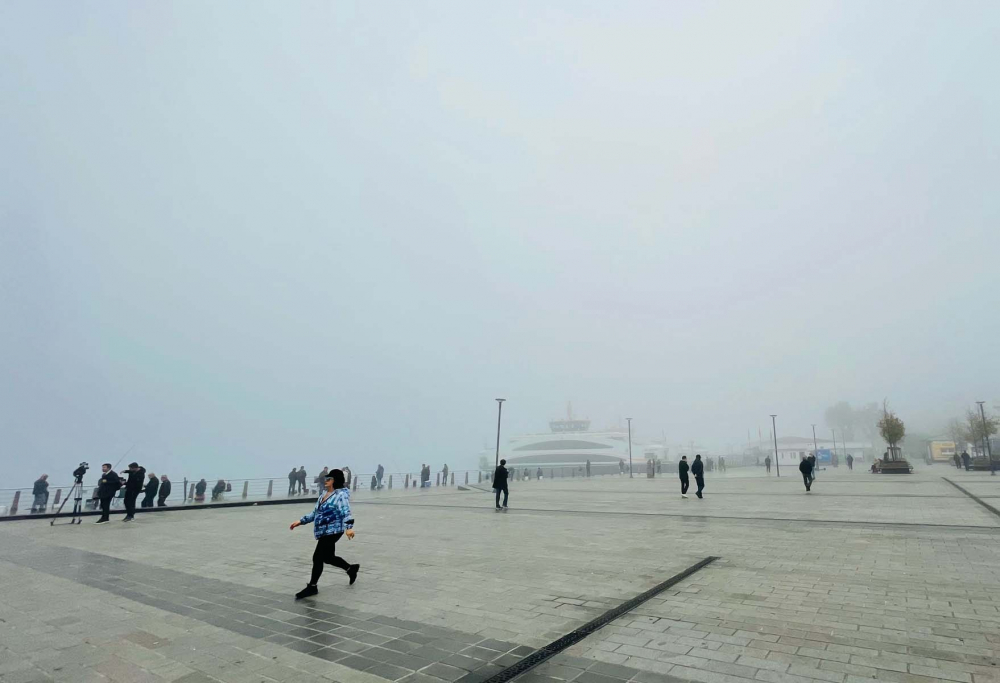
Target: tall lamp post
pixel 986 438
pixel 774 432
pixel 499 412
pixel 629 419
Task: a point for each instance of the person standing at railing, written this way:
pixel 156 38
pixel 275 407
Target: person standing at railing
pixel 320 478
pixel 379 473
pixel 444 475
pixel 41 493
pixel 133 487
pixel 331 519
pixel 199 491
pixel 347 475
pixel 302 480
pixel 107 487
pixel 152 486
pixel 164 491
pixel 293 478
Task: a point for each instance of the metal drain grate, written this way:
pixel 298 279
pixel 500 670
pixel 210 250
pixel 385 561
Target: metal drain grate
pixel 573 637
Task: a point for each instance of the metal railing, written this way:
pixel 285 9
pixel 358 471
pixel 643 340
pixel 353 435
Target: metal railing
pixel 185 492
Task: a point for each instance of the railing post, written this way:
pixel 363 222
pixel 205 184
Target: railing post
pixel 13 506
pixel 438 483
pixel 191 494
pixel 452 478
pixel 390 482
pixel 246 486
pixel 270 487
pixel 184 491
pixel 356 483
pixel 58 496
pixel 480 477
pixel 466 478
pixel 406 482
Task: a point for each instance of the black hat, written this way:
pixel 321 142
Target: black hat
pixel 329 473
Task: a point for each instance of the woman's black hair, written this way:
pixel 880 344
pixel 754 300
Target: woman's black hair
pixel 338 478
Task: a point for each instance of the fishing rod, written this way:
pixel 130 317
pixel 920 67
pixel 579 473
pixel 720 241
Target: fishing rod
pixel 131 448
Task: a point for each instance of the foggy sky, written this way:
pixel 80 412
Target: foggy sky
pixel 250 235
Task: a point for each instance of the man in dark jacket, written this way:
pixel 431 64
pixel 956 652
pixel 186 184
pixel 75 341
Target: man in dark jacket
pixel 698 470
pixel 133 486
pixel 806 468
pixel 293 479
pixel 500 484
pixel 444 475
pixel 41 493
pixel 812 467
pixel 966 460
pixel 107 487
pixel 164 492
pixel 379 473
pixel 152 486
pixel 303 488
pixel 682 472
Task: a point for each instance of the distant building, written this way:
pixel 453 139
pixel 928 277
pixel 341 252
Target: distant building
pixel 791 449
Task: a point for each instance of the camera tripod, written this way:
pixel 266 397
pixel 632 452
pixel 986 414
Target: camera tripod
pixel 76 493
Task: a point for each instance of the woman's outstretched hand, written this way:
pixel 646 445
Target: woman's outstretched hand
pixel 349 533
pixel 294 524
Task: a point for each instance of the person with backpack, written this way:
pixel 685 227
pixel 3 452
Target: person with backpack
pixel 331 519
pixel 806 468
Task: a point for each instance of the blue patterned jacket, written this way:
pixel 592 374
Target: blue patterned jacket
pixel 332 516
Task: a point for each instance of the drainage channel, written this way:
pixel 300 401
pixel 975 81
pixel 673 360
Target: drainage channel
pixel 555 647
pixel 973 496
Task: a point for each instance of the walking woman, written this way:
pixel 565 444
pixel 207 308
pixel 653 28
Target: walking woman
pixel 331 519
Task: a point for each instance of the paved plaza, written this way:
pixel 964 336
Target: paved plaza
pixel 893 578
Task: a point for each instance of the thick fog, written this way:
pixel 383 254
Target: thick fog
pixel 244 236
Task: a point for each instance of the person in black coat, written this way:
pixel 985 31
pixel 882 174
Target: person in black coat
pixel 165 487
pixel 107 487
pixel 41 493
pixel 698 470
pixel 152 486
pixel 966 460
pixel 500 483
pixel 133 487
pixel 806 468
pixel 682 472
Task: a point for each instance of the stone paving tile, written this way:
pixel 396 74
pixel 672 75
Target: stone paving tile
pixel 816 588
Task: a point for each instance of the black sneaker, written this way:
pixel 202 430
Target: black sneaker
pixel 102 521
pixel 306 592
pixel 352 573
pixel 128 519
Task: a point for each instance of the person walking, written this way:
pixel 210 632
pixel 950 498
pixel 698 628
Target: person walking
pixel 698 470
pixel 380 472
pixel 164 492
pixel 806 468
pixel 682 472
pixel 621 467
pixel 958 460
pixel 293 478
pixel 500 484
pixel 966 460
pixel 133 487
pixel 41 493
pixel 331 519
pixel 767 464
pixel 812 466
pixel 850 461
pixel 152 486
pixel 302 489
pixel 107 487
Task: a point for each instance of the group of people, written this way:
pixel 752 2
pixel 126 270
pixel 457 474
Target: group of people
pixel 963 460
pixel 297 478
pixel 696 469
pixel 134 482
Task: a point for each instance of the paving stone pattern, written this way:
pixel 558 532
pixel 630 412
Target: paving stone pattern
pixel 875 577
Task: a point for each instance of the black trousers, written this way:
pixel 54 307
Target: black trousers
pixel 768 466
pixel 106 508
pixel 685 482
pixel 161 502
pixel 130 497
pixel 504 490
pixel 699 479
pixel 147 502
pixel 326 553
pixel 807 479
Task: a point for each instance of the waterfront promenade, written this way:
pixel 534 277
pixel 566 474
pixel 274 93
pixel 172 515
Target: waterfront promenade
pixel 867 577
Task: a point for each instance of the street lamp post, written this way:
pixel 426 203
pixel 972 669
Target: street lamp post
pixel 774 432
pixel 499 412
pixel 986 438
pixel 629 419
